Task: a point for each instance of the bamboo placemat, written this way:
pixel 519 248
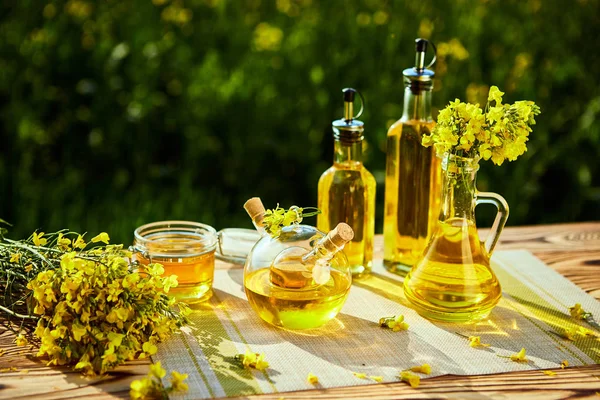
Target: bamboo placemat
pixel 535 303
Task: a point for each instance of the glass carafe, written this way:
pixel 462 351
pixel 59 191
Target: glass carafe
pixel 453 281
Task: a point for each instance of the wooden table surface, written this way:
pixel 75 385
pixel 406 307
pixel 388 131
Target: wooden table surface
pixel 571 249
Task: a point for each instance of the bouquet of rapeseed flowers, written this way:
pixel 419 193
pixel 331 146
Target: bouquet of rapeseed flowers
pixel 91 306
pixel 499 133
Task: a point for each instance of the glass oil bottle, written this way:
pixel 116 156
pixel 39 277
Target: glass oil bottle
pixel 285 291
pixel 347 189
pixel 413 174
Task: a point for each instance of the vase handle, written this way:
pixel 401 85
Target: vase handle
pixel 501 217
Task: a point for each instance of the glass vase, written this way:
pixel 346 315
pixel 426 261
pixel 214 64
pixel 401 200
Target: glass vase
pixel 452 281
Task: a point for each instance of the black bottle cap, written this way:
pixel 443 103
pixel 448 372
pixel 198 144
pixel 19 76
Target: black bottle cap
pixel 349 94
pixel 349 129
pixel 421 45
pixel 421 72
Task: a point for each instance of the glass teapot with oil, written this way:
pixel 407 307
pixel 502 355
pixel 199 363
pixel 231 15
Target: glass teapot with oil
pixel 299 279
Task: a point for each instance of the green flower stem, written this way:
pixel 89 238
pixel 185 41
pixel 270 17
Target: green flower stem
pixel 17 315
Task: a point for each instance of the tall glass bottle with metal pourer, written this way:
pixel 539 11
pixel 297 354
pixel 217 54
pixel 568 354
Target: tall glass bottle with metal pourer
pixel 413 173
pixel 347 189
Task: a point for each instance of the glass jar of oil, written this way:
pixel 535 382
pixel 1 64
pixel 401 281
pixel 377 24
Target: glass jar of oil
pixel 185 249
pixel 278 287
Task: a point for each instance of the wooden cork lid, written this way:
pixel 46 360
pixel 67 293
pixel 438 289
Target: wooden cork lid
pixel 255 209
pixel 341 234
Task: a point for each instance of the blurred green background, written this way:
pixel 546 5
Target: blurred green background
pixel 116 113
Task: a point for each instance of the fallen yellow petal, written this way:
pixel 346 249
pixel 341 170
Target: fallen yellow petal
pixel 549 373
pixel 564 364
pixel 412 379
pixel 585 331
pixel 377 378
pixel 520 356
pixel 20 340
pixel 578 312
pixel 475 341
pixel 570 334
pixel 360 375
pixel 261 364
pixel 424 369
pixel 312 379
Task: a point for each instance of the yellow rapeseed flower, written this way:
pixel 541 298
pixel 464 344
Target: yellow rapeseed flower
pixel 109 356
pixel 157 370
pixel 79 243
pixel 424 369
pixel 177 384
pixel 254 360
pixel 578 312
pixel 412 379
pixel 103 237
pixel 570 334
pixel 395 323
pixel 475 341
pixel 149 348
pixel 139 389
pixel 115 339
pixel 169 283
pixel 520 356
pixel 90 299
pixel 261 364
pixel 312 379
pixel 500 134
pixel 15 257
pixel 63 243
pixel 20 340
pixel 78 331
pixel 38 240
pixel 495 95
pixel 564 364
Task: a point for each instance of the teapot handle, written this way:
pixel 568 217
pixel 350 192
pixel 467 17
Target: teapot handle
pixel 501 217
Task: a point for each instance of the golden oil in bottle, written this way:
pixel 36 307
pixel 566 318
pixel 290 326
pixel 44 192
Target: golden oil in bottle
pixel 306 284
pixel 412 194
pixel 454 281
pixel 184 249
pixel 413 173
pixel 347 190
pixel 300 308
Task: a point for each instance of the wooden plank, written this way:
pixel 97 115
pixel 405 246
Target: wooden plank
pixel 571 249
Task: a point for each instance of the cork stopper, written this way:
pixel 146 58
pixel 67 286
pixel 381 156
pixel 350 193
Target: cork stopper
pixel 338 237
pixel 341 234
pixel 255 209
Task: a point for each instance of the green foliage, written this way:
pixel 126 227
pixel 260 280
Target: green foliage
pixel 116 113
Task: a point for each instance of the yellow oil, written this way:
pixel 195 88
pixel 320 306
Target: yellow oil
pixel 454 281
pixel 296 309
pixel 347 194
pixel 412 194
pixel 194 268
